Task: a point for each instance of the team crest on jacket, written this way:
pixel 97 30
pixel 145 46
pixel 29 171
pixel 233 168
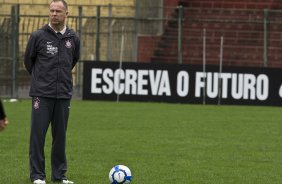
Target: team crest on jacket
pixel 36 103
pixel 68 44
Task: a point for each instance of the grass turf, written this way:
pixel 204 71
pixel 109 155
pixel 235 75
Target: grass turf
pixel 160 143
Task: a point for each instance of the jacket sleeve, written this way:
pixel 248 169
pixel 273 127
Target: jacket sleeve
pixel 2 111
pixel 76 53
pixel 30 54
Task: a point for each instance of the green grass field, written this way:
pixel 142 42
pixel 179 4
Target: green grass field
pixel 160 143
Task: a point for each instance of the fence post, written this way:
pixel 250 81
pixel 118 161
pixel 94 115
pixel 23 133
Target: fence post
pixel 15 49
pixel 98 16
pixel 79 64
pixel 110 37
pixel 161 15
pixel 80 14
pixel 265 39
pixel 180 19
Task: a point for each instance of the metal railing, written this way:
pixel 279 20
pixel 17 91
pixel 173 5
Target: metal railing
pixel 187 36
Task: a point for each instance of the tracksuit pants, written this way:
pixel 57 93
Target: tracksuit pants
pixel 47 111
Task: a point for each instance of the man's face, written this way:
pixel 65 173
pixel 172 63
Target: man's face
pixel 58 13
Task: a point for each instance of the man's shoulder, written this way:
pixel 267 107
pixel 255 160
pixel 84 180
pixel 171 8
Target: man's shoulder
pixel 37 32
pixel 71 32
pixel 40 31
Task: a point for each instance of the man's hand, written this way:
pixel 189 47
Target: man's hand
pixel 3 124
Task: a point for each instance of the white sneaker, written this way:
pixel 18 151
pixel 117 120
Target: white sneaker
pixel 67 182
pixel 38 181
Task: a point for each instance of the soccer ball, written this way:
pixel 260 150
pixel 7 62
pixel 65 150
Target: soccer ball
pixel 120 174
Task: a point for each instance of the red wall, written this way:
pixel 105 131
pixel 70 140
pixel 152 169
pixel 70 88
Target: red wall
pixel 148 43
pixel 169 6
pixel 146 47
pixel 252 55
pixel 239 4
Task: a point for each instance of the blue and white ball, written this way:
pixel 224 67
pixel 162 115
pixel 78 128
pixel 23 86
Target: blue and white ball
pixel 120 174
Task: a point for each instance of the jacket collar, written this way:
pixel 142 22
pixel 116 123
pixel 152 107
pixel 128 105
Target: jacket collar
pixel 62 31
pixel 68 31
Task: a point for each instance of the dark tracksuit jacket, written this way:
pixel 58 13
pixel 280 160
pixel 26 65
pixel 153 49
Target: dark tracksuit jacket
pixel 49 59
pixel 2 111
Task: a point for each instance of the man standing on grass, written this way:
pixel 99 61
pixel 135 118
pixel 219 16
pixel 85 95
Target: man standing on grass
pixel 50 56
